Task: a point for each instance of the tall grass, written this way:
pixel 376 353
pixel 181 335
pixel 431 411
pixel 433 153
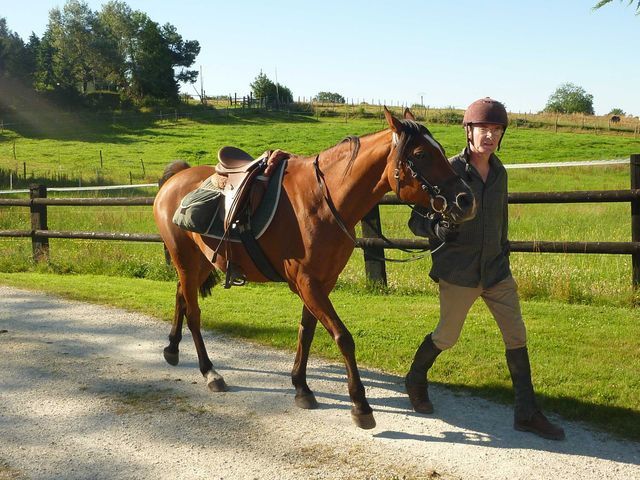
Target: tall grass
pixel 589 279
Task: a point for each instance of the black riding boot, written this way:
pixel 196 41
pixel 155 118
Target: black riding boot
pixel 416 380
pixel 527 416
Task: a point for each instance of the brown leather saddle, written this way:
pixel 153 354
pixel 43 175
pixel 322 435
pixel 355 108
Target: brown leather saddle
pixel 244 184
pixel 244 188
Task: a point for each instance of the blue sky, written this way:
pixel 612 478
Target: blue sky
pixel 447 53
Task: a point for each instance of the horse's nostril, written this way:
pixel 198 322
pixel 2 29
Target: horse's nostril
pixel 464 200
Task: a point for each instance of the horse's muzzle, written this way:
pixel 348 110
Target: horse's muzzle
pixel 463 208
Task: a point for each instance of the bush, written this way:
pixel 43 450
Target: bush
pixel 104 100
pixel 447 117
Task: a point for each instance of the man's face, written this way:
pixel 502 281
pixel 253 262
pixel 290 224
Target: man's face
pixel 486 137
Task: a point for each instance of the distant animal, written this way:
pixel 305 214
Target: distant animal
pixel 614 119
pixel 311 236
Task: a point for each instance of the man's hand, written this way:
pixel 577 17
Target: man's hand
pixel 445 231
pixel 274 160
pixel 434 228
pixel 419 223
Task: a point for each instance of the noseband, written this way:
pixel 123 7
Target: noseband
pixel 426 185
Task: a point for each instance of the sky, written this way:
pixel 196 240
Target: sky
pixel 442 53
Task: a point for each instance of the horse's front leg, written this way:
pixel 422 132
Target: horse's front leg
pixel 316 299
pixel 304 396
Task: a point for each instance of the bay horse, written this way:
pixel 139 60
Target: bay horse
pixel 311 236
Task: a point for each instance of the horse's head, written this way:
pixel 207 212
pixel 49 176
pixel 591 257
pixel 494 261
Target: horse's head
pixel 420 173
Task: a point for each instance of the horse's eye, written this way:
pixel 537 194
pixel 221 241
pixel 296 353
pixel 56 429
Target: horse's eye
pixel 420 155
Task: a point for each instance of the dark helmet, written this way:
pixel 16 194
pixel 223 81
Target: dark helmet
pixel 486 110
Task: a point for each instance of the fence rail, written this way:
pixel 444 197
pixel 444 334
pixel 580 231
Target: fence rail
pixel 372 244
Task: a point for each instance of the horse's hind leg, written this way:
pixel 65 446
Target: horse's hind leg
pixel 191 282
pixel 304 396
pixel 171 352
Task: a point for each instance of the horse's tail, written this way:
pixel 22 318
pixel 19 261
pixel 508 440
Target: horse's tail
pixel 171 169
pixel 211 281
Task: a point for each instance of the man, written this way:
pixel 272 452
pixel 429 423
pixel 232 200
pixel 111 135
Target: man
pixel 472 261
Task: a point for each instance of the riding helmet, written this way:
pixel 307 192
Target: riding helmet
pixel 486 110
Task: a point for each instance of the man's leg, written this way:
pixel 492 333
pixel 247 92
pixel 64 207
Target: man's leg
pixel 455 303
pixel 504 303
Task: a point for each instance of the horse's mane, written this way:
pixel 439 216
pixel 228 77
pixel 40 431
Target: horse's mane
pixel 410 129
pixel 354 148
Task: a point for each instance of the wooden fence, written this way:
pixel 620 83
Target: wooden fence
pixel 371 243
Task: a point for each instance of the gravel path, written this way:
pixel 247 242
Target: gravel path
pixel 85 393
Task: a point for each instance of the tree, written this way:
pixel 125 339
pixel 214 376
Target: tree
pixel 120 26
pixel 617 111
pixel 602 3
pixel 117 48
pixel 147 54
pixel 183 53
pixel 328 97
pixel 570 98
pixel 76 60
pixel 16 60
pixel 273 93
pixel 44 75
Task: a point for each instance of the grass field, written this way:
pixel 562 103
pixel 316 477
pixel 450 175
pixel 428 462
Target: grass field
pixel 72 146
pixel 73 149
pixel 579 309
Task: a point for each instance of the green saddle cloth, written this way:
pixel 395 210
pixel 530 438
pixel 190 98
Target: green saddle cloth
pixel 199 210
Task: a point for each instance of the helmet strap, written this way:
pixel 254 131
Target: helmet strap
pixel 504 130
pixel 468 131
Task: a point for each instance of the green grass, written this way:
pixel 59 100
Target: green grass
pixel 585 359
pixel 72 145
pixel 584 279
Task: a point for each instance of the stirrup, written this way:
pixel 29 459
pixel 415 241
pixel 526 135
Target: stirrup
pixel 234 277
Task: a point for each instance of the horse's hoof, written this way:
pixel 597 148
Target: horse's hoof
pixel 171 358
pixel 364 420
pixel 306 401
pixel 215 382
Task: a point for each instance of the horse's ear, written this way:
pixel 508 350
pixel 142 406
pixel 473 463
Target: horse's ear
pixel 409 115
pixel 393 122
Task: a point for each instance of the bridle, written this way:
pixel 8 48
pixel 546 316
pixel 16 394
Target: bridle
pixel 426 185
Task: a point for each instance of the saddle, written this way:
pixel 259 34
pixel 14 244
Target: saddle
pixel 236 204
pixel 243 186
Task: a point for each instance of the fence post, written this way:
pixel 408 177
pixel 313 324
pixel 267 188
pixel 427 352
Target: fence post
pixel 635 218
pixel 374 264
pixel 40 245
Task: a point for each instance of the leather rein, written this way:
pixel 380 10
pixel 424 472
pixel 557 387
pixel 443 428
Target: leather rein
pixel 433 190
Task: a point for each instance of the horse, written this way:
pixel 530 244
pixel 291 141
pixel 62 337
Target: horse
pixel 311 236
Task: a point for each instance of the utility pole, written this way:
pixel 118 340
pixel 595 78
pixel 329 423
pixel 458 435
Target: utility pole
pixel 202 99
pixel 277 92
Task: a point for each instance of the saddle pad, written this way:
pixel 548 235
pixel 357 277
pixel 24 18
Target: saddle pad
pixel 199 209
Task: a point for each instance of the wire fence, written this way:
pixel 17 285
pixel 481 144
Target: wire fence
pixel 580 163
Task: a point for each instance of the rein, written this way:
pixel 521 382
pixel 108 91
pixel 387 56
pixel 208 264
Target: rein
pixel 334 211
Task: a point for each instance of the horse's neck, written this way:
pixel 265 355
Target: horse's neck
pixel 357 191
